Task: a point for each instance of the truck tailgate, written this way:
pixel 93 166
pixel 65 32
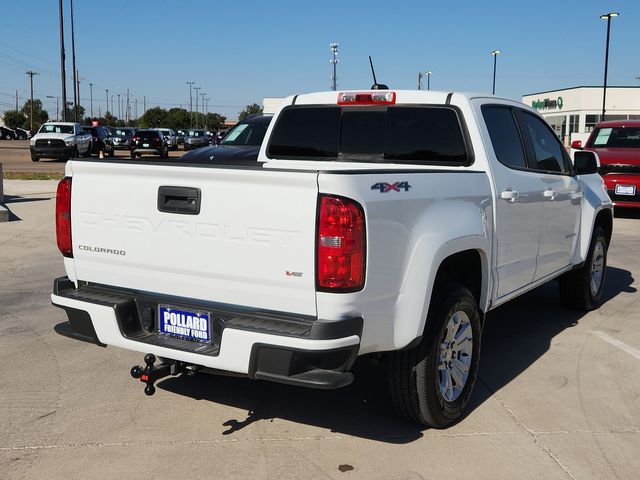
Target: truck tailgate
pixel 251 244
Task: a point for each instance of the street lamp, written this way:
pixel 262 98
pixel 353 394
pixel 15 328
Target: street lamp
pixel 190 105
pixel 425 74
pixel 91 97
pixel 196 89
pixel 606 17
pixel 106 108
pixel 57 109
pixel 334 61
pixel 495 54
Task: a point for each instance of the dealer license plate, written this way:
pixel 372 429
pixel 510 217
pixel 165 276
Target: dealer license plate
pixel 145 145
pixel 191 325
pixel 625 189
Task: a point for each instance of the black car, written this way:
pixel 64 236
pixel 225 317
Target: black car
pixel 148 142
pixel 240 145
pixel 22 134
pixel 122 137
pixel 7 134
pixel 100 140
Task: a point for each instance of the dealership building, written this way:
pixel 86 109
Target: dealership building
pixel 573 112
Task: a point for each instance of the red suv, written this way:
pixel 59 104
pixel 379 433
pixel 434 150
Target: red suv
pixel 617 143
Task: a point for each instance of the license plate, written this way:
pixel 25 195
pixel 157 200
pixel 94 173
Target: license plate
pixel 187 324
pixel 145 145
pixel 625 189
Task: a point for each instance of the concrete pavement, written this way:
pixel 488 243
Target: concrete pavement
pixel 555 400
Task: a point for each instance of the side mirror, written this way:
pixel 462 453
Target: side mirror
pixel 585 163
pixel 577 144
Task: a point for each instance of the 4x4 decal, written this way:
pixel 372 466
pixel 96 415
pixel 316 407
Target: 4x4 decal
pixel 385 187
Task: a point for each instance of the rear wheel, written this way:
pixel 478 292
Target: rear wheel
pixel 582 288
pixel 431 383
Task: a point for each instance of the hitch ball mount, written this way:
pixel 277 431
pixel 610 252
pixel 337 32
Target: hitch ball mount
pixel 152 373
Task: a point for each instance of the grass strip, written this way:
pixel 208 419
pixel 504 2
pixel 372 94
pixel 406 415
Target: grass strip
pixel 32 176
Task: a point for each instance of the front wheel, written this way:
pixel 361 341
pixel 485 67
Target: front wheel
pixel 35 158
pixel 582 288
pixel 431 383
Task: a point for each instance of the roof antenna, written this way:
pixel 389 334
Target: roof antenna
pixel 376 85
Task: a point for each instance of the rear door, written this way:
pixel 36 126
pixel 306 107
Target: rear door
pixel 236 236
pixel 518 202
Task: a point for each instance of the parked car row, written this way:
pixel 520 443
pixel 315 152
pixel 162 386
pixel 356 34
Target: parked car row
pixel 18 133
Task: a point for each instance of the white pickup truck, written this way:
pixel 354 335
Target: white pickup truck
pixel 373 222
pixel 60 140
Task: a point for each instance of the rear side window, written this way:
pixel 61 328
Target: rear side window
pixel 505 137
pixel 397 134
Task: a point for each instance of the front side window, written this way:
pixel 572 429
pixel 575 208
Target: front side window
pixel 547 150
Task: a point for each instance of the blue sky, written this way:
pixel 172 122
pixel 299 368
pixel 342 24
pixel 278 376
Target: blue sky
pixel 241 52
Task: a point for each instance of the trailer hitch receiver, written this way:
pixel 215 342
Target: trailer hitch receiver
pixel 152 373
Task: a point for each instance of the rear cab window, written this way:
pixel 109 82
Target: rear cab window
pixel 414 134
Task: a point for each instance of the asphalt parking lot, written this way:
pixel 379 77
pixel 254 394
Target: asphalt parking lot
pixel 15 157
pixel 558 395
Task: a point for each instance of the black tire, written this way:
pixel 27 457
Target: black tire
pixel 414 375
pixel 76 154
pixel 576 289
pixel 112 152
pixel 133 156
pixel 7 137
pixel 35 158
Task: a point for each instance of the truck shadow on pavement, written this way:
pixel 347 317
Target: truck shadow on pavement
pixel 516 335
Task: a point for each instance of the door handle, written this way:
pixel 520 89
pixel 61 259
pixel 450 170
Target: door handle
pixel 509 195
pixel 182 200
pixel 550 194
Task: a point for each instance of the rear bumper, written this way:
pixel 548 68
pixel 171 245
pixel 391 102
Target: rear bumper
pixel 274 346
pixel 146 151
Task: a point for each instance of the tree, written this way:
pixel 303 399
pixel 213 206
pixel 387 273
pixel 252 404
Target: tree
pixel 177 118
pixel 13 119
pixel 154 117
pixel 215 121
pixel 249 110
pixel 39 115
pixel 71 113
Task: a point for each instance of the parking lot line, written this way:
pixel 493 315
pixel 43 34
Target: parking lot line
pixel 618 344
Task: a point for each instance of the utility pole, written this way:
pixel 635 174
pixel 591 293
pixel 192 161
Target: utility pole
pixel 91 98
pixel 106 107
pixel 62 64
pixel 334 50
pixel 16 100
pixel 205 120
pixel 31 74
pixel 76 84
pixel 127 115
pixel 119 114
pixel 144 104
pixel 136 108
pixel 112 110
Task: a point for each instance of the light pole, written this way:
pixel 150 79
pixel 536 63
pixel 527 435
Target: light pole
pixel 106 108
pixel 425 74
pixel 190 105
pixel 204 119
pixel 196 89
pixel 606 17
pixel 62 64
pixel 119 114
pixel 112 104
pixel 91 98
pixel 334 61
pixel 57 109
pixel 495 54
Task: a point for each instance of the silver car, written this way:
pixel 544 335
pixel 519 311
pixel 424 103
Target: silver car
pixel 170 136
pixel 195 139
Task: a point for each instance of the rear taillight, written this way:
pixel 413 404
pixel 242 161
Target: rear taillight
pixel 63 217
pixel 340 245
pixel 135 139
pixel 367 98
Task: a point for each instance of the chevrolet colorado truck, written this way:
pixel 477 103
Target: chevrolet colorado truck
pixel 372 222
pixel 60 140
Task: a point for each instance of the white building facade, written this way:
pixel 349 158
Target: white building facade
pixel 573 112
